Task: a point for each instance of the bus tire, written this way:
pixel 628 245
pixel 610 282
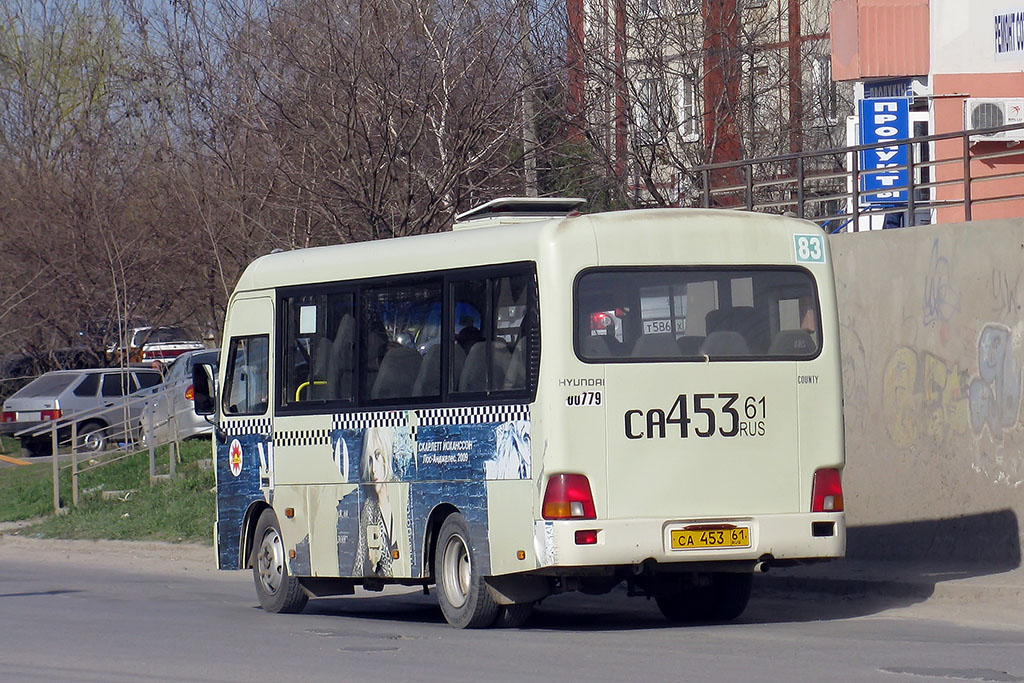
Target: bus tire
pixel 513 616
pixel 278 591
pixel 723 600
pixel 461 591
pixel 732 593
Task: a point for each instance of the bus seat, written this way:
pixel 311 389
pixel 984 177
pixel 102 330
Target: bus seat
pixel 319 371
pixel 398 371
pixel 724 343
pixel 658 345
pixel 340 364
pixel 515 375
pixel 428 380
pixel 594 346
pixel 718 319
pixel 746 320
pixel 474 373
pixel 690 346
pixel 457 359
pixel 793 343
pixel 753 325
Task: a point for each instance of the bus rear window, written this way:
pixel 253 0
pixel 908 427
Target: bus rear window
pixel 662 314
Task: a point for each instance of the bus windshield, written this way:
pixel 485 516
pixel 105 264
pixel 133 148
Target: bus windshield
pixel 663 314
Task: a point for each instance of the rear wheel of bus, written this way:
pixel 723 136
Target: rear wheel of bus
pixel 721 598
pixel 278 590
pixel 461 590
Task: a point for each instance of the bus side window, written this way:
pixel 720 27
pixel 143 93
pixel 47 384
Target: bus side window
pixel 498 351
pixel 397 324
pixel 318 347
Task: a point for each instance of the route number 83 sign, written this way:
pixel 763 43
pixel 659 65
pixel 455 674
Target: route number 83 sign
pixel 809 248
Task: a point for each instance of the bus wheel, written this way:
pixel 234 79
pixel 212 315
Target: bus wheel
pixel 513 616
pixel 732 595
pixel 462 594
pixel 277 589
pixel 723 600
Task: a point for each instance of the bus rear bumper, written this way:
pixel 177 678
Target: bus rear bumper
pixel 782 537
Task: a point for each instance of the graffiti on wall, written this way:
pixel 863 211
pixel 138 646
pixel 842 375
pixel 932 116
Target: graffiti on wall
pixel 855 375
pixel 995 391
pixel 941 300
pixel 1004 292
pixel 924 396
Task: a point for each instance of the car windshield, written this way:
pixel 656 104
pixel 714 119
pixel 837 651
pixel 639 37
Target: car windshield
pixel 205 357
pixel 159 335
pixel 47 385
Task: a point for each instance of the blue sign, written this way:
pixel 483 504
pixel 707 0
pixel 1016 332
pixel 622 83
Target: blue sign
pixel 883 177
pixel 899 87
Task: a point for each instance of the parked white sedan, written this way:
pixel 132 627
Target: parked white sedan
pixel 170 414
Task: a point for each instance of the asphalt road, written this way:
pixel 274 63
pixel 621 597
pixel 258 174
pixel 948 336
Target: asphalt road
pixel 81 611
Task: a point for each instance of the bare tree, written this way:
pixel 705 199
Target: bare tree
pixel 674 84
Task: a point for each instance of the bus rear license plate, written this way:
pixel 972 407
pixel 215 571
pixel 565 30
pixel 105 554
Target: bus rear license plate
pixel 703 539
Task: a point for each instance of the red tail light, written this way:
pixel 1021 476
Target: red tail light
pixel 827 491
pixel 50 414
pixel 568 497
pixel 586 537
pixel 190 393
pixel 8 417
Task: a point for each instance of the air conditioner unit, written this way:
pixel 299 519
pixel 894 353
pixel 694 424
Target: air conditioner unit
pixel 992 112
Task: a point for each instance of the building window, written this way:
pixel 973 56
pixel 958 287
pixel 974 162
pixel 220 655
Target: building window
pixel 646 111
pixel 825 91
pixel 686 109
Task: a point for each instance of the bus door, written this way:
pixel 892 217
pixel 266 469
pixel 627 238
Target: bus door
pixel 245 472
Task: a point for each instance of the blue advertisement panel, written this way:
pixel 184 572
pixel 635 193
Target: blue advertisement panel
pixel 884 177
pixel 403 472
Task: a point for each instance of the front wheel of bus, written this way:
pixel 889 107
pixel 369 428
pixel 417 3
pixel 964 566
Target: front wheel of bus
pixel 462 593
pixel 278 590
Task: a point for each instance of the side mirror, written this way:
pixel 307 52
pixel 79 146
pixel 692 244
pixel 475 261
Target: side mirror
pixel 204 401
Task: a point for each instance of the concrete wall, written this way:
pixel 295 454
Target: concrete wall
pixel 933 350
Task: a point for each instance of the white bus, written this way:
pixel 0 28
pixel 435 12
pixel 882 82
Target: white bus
pixel 538 401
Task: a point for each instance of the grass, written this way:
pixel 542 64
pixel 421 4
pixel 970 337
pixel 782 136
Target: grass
pixel 178 510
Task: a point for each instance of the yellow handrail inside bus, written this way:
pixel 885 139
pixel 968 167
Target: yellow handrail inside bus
pixel 316 383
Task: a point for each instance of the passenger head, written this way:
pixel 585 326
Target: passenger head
pixel 468 336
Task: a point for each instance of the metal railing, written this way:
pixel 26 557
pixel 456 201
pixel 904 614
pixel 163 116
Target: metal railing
pixel 828 186
pixel 65 434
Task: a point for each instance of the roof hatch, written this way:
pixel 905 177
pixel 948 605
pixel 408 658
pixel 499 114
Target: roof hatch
pixel 518 210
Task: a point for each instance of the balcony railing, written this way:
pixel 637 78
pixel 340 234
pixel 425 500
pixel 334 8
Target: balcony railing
pixel 828 186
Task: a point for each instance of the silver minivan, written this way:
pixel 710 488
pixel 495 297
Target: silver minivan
pixel 169 414
pixel 104 394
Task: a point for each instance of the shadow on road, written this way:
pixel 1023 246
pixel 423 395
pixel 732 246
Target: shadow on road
pixel 888 567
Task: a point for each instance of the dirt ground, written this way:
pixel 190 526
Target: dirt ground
pixel 142 556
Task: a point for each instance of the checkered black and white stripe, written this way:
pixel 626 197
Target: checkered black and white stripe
pixel 390 418
pixel 246 426
pixel 304 437
pixel 474 415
